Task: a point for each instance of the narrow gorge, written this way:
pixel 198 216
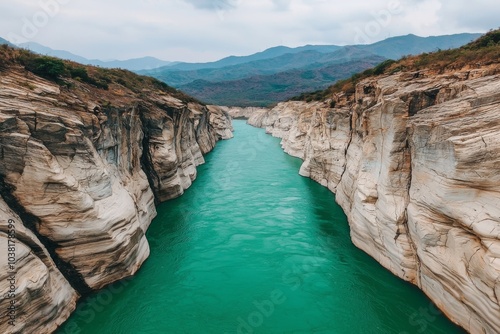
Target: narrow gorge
pixel 81 171
pixel 412 153
pixel 413 160
pixel 253 247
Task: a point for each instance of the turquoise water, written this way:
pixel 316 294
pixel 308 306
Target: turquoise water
pixel 252 247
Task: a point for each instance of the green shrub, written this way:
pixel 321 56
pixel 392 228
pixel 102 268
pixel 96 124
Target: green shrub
pixel 380 68
pixel 490 39
pixel 47 67
pixel 79 72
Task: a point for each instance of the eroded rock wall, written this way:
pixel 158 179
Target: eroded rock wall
pixel 414 161
pixel 242 112
pixel 81 171
pixel 31 283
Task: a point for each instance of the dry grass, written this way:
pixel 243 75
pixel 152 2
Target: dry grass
pixel 66 73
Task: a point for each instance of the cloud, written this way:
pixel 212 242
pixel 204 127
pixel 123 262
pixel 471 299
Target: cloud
pixel 471 16
pixel 282 5
pixel 216 5
pixel 205 30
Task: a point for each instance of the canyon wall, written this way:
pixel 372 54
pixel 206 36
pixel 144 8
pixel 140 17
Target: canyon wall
pixel 81 170
pixel 413 159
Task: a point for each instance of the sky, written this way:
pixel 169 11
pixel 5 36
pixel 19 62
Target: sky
pixel 207 30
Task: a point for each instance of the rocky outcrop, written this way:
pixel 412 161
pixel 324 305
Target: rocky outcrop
pixel 31 283
pixel 242 112
pixel 81 170
pixel 413 159
pixel 221 120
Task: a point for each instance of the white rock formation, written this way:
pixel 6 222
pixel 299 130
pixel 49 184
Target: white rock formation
pixel 413 159
pixel 30 283
pixel 242 112
pixel 80 172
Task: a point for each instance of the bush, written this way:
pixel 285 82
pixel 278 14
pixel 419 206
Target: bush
pixel 491 38
pixel 79 72
pixel 46 67
pixel 380 68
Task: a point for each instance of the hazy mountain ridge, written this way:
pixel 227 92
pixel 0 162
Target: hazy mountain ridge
pixel 4 41
pixel 272 52
pixel 129 64
pixel 247 81
pixel 411 44
pixel 263 90
pixel 399 46
pixel 303 60
pixel 290 71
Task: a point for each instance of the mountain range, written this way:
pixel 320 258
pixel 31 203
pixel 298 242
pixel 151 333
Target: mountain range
pixel 130 64
pixel 4 41
pixel 280 73
pixel 270 76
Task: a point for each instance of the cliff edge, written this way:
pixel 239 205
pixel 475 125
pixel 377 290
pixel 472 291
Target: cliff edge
pixel 413 156
pixel 85 153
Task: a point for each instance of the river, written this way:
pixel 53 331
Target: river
pixel 252 247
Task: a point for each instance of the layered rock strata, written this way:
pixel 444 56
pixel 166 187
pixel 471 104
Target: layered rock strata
pixel 414 161
pixel 81 170
pixel 242 112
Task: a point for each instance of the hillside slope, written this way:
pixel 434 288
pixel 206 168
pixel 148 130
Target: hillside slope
pixel 303 60
pixel 255 77
pixel 264 90
pixel 135 64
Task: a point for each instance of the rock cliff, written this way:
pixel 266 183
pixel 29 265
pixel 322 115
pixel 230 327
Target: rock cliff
pixel 413 158
pixel 81 169
pixel 242 112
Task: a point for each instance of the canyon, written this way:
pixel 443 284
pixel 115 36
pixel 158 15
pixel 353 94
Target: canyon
pixel 411 155
pixel 413 160
pixel 81 171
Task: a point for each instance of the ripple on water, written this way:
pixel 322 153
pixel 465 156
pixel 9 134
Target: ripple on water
pixel 240 236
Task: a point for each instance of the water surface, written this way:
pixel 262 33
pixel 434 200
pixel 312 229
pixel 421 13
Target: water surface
pixel 252 247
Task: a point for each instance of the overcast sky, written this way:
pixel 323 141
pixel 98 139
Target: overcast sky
pixel 205 30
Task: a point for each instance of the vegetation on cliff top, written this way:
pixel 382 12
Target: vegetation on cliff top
pixel 63 72
pixel 483 51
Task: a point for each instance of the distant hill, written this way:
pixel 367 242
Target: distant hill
pixel 43 50
pixel 307 59
pixel 272 75
pixel 4 41
pixel 131 64
pixel 237 60
pixel 484 50
pixel 264 90
pixel 397 47
pixel 281 72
